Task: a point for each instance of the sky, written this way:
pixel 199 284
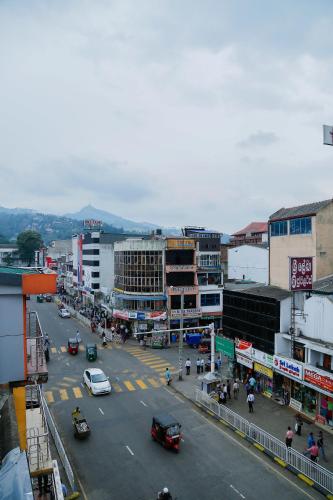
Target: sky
pixel 173 112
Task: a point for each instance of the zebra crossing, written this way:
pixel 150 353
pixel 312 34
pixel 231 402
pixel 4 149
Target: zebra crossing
pixel 82 348
pixel 151 360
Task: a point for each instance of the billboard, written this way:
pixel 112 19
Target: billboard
pixel 328 135
pixel 180 244
pixel 226 346
pixel 288 367
pixel 301 269
pixel 243 347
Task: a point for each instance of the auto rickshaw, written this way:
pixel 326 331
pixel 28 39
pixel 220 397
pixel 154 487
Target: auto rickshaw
pixel 166 430
pixel 80 425
pixel 40 298
pixel 91 352
pixel 73 346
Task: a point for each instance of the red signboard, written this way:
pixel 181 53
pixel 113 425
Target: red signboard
pixel 243 347
pixel 319 379
pixel 300 273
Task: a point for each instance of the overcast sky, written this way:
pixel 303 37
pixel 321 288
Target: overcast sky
pixel 174 112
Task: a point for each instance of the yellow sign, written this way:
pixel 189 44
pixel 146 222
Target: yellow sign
pixel 180 243
pixel 263 369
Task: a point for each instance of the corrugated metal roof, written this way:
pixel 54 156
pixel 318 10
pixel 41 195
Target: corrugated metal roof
pixel 300 211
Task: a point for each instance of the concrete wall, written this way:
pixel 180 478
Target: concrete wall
pixel 318 318
pixel 324 249
pixel 106 266
pixel 283 247
pixel 248 262
pixel 285 315
pixel 12 360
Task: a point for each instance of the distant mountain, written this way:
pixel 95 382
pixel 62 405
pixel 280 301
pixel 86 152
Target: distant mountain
pixel 17 211
pixel 90 212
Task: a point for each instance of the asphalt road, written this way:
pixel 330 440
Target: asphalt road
pixel 120 461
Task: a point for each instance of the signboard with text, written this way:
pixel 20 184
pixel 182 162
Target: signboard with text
pixel 226 346
pixel 262 357
pixel 301 270
pixel 288 367
pixel 319 378
pixel 243 360
pixel 243 347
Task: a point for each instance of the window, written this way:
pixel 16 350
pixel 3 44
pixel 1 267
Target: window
pixel 210 299
pixel 95 274
pixel 210 260
pixel 300 226
pixel 91 251
pixel 279 228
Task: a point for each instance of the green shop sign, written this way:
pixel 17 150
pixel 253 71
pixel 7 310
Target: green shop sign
pixel 226 346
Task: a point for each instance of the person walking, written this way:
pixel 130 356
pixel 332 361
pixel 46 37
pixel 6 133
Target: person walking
pixel 78 337
pixel 247 388
pixel 236 389
pixel 252 383
pixel 310 441
pixel 225 390
pixel 313 451
pixel 229 389
pixel 298 424
pixel 198 366
pixel 320 444
pixel 202 365
pixel 188 366
pixel 104 343
pixel 289 437
pixel 167 376
pixel 250 401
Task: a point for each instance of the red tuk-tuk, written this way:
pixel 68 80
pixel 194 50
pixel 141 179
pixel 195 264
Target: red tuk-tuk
pixel 73 346
pixel 166 430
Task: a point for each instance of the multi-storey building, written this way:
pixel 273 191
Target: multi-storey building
pixel 303 231
pixel 256 233
pixel 248 262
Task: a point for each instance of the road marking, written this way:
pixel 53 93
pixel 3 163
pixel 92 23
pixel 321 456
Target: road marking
pixel 117 387
pixel 70 379
pixel 54 350
pixel 67 364
pixel 153 382
pixel 81 348
pixel 143 403
pixel 63 348
pixel 64 384
pixel 63 394
pixel 173 394
pixel 102 412
pixel 141 384
pixel 236 491
pixel 305 479
pixel 49 397
pixel 162 380
pixel 129 449
pixel 157 364
pixel 77 392
pixel 129 385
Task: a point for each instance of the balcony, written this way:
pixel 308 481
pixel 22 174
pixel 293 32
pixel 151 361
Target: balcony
pixel 36 363
pixel 180 268
pixel 185 313
pixel 183 290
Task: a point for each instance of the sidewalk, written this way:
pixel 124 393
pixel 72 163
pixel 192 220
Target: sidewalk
pixel 268 415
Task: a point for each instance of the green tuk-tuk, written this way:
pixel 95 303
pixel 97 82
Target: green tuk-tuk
pixel 91 352
pixel 40 298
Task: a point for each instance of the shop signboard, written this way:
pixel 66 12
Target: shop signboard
pixel 156 315
pixel 226 346
pixel 297 405
pixel 243 347
pixel 300 273
pixel 117 313
pixel 263 369
pixel 132 315
pixel 288 367
pixel 243 360
pixel 180 243
pixel 319 378
pixel 262 357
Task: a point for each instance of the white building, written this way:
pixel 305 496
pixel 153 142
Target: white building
pixel 248 262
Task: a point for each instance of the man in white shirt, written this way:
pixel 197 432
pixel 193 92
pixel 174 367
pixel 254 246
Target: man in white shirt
pixel 188 366
pixel 250 401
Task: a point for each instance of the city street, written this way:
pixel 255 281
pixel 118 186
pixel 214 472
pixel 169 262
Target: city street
pixel 120 460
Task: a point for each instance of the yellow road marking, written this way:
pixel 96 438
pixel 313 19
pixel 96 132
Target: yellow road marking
pixel 64 384
pixel 162 380
pixel 63 348
pixel 258 446
pixel 157 365
pixel 129 385
pixel 70 379
pixel 141 384
pixel 77 392
pixel 280 462
pixel 63 394
pixel 54 350
pixel 81 348
pixel 305 479
pixel 117 388
pixel 240 433
pixel 49 397
pixel 153 382
pixel 148 358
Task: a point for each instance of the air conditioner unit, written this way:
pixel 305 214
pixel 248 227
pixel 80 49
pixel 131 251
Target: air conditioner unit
pixel 298 332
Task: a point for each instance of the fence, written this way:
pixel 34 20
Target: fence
pixel 295 460
pixel 58 444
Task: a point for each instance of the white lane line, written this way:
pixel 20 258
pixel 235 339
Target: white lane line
pixel 236 491
pixel 67 364
pixel 173 394
pixel 143 403
pixel 102 412
pixel 129 449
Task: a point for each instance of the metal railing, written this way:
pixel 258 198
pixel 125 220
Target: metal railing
pixel 58 444
pixel 296 461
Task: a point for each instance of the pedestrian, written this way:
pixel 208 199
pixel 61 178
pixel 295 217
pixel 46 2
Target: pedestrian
pixel 236 389
pixel 250 401
pixel 247 388
pixel 167 376
pixel 320 444
pixel 104 343
pixel 202 365
pixel 188 366
pixel 78 336
pixel 222 398
pixel 298 424
pixel 252 382
pixel 219 363
pixel 225 390
pixel 313 451
pixel 310 441
pixel 198 366
pixel 229 389
pixel 289 437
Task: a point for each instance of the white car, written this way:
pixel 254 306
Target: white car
pixel 64 313
pixel 96 380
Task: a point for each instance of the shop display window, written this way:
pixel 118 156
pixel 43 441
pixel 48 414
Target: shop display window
pixel 306 396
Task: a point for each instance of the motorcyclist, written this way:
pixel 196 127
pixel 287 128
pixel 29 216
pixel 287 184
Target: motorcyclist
pixel 164 494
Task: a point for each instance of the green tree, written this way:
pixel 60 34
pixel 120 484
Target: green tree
pixel 28 242
pixel 8 259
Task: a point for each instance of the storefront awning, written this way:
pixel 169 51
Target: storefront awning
pixel 125 296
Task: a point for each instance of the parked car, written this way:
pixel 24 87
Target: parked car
pixel 204 346
pixel 64 313
pixel 48 298
pixel 96 380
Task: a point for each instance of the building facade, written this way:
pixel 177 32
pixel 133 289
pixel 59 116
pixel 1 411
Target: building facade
pixel 256 233
pixel 248 262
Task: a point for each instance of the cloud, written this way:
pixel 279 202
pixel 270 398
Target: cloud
pixel 258 139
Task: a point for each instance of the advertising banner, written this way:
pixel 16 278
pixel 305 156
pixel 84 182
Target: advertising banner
pixel 243 347
pixel 319 378
pixel 176 243
pixel 263 369
pixel 243 360
pixel 120 314
pixel 262 357
pixel 288 367
pixel 301 269
pixel 226 346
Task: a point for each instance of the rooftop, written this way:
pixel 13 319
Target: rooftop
pixel 300 211
pixel 324 285
pixel 18 270
pixel 253 227
pixel 260 290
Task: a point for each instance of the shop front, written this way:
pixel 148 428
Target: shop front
pixel 320 383
pixel 264 377
pixel 244 363
pixel 287 374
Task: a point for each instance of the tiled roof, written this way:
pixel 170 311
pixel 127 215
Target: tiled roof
pixel 300 211
pixel 254 227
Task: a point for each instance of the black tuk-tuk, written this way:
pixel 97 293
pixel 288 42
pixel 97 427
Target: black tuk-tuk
pixel 91 352
pixel 166 430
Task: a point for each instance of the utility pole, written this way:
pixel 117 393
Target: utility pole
pixel 212 348
pixel 180 356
